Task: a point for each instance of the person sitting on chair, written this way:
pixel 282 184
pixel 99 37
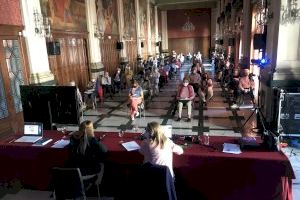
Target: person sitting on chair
pixel 106 83
pixel 135 98
pixel 206 89
pixel 246 87
pixel 117 80
pixel 157 148
pixel 185 95
pixel 195 79
pixel 86 153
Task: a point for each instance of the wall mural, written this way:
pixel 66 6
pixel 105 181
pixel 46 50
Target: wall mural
pixel 65 14
pixel 107 16
pixel 143 18
pixel 129 18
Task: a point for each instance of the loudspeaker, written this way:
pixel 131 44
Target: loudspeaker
pixel 142 44
pixel 259 41
pixel 231 42
pixel 221 42
pixel 53 48
pixel 119 45
pixel 158 44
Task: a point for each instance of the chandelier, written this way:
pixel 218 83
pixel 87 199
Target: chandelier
pixel 188 26
pixel 41 25
pixel 290 12
pixel 263 14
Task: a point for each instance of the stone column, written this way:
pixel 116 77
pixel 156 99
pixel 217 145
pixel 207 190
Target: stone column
pixel 96 65
pixel 246 33
pixel 156 30
pixel 123 54
pixel 138 29
pixel 164 29
pixel 36 45
pixel 149 39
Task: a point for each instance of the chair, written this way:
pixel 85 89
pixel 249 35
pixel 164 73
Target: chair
pixel 70 184
pixel 153 181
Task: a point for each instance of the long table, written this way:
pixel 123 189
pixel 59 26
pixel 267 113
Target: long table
pixel 202 172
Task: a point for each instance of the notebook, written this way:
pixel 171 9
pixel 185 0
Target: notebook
pixel 33 131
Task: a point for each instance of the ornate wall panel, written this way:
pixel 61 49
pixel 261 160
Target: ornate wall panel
pixel 186 45
pixel 131 53
pixel 10 12
pixel 65 14
pixel 107 16
pixel 129 18
pixel 110 55
pixel 71 64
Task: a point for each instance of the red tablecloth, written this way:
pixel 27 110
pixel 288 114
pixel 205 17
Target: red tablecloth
pixel 200 171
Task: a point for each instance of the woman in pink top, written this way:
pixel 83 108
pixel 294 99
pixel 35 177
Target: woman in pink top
pixel 157 148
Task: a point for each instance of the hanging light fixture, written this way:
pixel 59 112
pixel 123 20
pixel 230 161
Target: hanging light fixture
pixel 188 26
pixel 41 25
pixel 263 14
pixel 290 13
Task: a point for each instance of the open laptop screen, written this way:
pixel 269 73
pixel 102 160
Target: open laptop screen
pixel 33 129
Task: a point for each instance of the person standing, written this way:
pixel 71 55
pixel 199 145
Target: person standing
pixel 135 98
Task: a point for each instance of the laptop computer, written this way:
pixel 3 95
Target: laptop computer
pixel 33 131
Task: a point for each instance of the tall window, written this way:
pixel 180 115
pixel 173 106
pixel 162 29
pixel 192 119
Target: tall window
pixel 14 65
pixel 3 104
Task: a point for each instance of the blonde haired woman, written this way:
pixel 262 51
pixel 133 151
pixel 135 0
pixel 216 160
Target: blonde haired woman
pixel 157 148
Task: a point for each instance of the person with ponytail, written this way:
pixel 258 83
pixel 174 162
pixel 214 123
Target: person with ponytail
pixel 157 148
pixel 85 151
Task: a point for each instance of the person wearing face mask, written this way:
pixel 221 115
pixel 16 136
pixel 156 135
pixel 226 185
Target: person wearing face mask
pixel 106 83
pixel 185 95
pixel 117 80
pixel 135 98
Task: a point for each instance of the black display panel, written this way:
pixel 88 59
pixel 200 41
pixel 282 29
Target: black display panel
pixel 50 104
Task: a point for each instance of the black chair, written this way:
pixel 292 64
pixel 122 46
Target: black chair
pixel 153 181
pixel 70 184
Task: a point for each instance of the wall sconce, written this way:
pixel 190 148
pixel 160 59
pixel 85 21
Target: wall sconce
pixel 99 33
pixel 290 13
pixel 41 25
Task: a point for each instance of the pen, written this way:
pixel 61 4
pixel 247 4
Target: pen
pixel 11 141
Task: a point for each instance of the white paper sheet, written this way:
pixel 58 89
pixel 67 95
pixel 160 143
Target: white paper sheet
pixel 131 146
pixel 61 143
pixel 231 148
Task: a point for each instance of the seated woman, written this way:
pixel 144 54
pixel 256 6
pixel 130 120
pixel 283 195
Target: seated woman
pixel 106 84
pixel 206 89
pixel 157 148
pixel 135 98
pixel 86 153
pixel 185 95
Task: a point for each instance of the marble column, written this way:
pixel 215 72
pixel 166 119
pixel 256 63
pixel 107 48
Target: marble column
pixel 96 66
pixel 149 39
pixel 138 29
pixel 246 33
pixel 36 45
pixel 156 30
pixel 164 28
pixel 123 54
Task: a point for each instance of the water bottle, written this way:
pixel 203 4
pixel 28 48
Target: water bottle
pixel 206 139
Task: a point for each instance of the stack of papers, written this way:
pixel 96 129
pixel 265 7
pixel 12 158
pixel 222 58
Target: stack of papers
pixel 61 143
pixel 231 148
pixel 131 146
